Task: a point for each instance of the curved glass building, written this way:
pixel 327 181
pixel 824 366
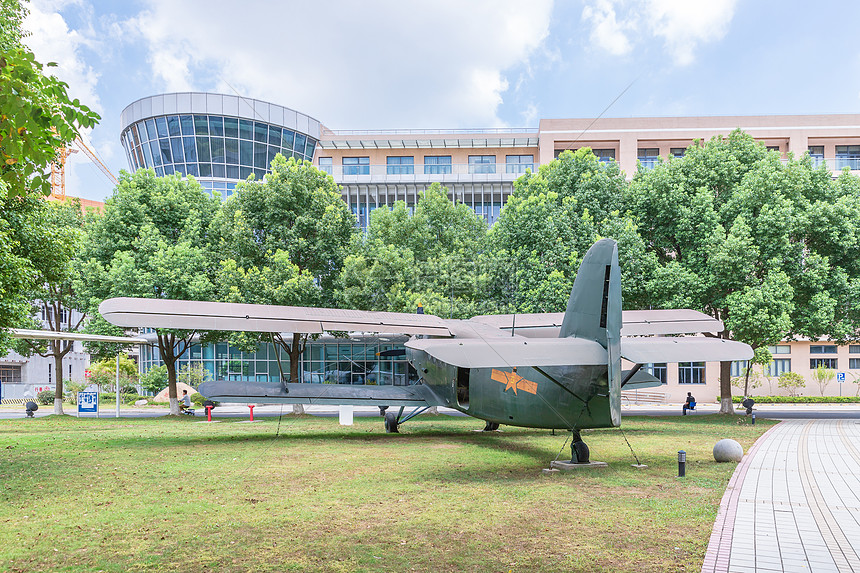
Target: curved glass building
pixel 219 139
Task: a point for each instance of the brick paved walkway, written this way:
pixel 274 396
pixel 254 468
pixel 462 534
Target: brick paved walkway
pixel 793 503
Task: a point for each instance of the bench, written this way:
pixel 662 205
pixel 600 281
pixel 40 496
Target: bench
pixel 631 397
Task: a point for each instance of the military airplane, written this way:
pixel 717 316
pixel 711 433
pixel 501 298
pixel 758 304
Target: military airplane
pixel 559 371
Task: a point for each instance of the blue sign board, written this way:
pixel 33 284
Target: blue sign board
pixel 840 377
pixel 88 402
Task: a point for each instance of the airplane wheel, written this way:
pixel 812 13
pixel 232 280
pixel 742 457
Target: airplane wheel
pixel 580 453
pixel 391 423
pixel 491 427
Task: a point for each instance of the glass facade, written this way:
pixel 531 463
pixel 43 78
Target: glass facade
pixel 328 360
pixel 218 150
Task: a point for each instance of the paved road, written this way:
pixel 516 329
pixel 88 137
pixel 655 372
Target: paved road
pixel 793 503
pixel 772 411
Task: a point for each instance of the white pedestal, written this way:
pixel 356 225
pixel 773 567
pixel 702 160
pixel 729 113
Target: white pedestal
pixel 345 415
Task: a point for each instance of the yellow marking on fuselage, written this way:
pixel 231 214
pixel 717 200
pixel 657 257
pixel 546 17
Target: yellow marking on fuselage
pixel 514 380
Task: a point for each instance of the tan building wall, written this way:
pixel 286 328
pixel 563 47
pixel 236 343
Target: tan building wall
pixel 799 353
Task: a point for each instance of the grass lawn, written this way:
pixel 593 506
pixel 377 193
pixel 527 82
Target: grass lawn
pixel 305 494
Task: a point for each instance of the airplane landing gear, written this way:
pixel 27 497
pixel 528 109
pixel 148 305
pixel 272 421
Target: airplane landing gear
pixel 391 423
pixel 579 453
pixel 491 427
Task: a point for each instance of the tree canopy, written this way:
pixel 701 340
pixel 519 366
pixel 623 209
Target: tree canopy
pixel 37 118
pixel 152 241
pixel 749 239
pixel 548 224
pixel 433 257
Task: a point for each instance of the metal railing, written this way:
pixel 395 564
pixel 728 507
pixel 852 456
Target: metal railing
pixel 468 131
pixel 433 172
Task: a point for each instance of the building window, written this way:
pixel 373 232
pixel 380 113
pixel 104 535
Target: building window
pixel 10 374
pixel 831 363
pixel 691 372
pixel 519 163
pixel 854 349
pixel 848 156
pixel 604 155
pixel 822 349
pixel 780 349
pixel 326 165
pixel 482 164
pixel 739 368
pixel 816 152
pixel 658 370
pixel 437 164
pixel 400 165
pixel 677 152
pixel 356 166
pixel 648 157
pixel 778 366
pixel 854 363
pixel 773 148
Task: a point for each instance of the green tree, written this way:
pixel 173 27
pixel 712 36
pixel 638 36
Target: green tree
pixel 193 374
pixel 739 235
pixel 21 224
pixel 104 373
pixel 53 292
pixel 791 381
pixel 823 376
pixel 37 115
pixel 431 257
pixel 155 379
pixel 548 224
pixel 153 242
pixel 283 241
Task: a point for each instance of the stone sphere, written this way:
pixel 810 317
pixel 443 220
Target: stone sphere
pixel 728 450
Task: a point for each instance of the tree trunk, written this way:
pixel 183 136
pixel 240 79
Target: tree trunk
pixel 726 406
pixel 58 367
pixel 295 350
pixel 165 346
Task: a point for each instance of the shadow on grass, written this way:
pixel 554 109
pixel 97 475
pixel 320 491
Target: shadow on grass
pixel 521 451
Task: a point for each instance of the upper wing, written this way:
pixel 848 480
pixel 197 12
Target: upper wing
pixel 634 322
pixel 198 315
pixel 58 335
pixel 691 349
pixel 508 352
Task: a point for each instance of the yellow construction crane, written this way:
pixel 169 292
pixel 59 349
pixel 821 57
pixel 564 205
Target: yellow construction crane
pixel 58 168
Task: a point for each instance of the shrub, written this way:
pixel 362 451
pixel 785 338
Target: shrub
pixel 197 399
pixel 791 381
pixel 45 397
pixel 71 390
pixel 801 399
pixel 110 398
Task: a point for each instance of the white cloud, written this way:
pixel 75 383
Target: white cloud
pixel 385 63
pixel 52 41
pixel 682 25
pixel 607 32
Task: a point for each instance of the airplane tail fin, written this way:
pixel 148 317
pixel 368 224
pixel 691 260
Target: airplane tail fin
pixel 594 306
pixel 594 311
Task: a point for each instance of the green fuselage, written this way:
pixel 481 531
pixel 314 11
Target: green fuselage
pixel 557 397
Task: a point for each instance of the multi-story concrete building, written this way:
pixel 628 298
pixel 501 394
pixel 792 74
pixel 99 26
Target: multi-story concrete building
pixel 222 139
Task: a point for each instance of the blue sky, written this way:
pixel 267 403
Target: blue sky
pixel 379 64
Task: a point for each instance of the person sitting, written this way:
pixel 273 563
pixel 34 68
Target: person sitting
pixel 185 403
pixel 690 404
